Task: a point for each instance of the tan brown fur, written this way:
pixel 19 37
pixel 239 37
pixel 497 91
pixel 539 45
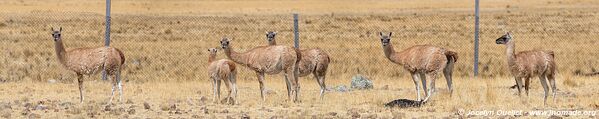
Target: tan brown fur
pixel 224 70
pixel 423 62
pixel 527 64
pixel 313 61
pixel 89 61
pixel 269 60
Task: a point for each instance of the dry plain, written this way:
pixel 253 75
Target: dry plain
pixel 165 44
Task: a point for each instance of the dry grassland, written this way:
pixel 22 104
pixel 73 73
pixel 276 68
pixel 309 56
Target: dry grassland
pixel 165 44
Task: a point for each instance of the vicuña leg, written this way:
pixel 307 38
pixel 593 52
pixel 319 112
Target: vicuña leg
pixel 229 91
pixel 322 84
pixel 233 79
pixel 519 85
pixel 543 80
pixel 114 88
pixel 551 78
pixel 214 89
pixel 261 81
pixel 80 81
pixel 120 85
pixel 292 72
pixel 415 78
pixel 288 83
pixel 447 72
pixel 526 84
pixel 433 79
pixel 218 90
pixel 424 84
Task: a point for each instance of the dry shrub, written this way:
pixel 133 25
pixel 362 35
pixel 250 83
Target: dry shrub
pixel 568 81
pixel 491 94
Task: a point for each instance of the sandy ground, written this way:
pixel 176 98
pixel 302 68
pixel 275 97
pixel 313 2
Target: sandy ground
pixel 193 99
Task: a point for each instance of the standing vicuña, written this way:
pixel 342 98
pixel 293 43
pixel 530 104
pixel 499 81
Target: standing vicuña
pixel 527 64
pixel 88 61
pixel 313 61
pixel 422 61
pixel 222 69
pixel 270 60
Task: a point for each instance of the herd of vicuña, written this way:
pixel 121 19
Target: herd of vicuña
pixel 423 62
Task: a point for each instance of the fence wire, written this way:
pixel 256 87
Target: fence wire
pixel 163 47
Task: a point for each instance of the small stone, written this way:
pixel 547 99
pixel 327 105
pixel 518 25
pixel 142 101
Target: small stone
pixel 386 87
pixel 108 108
pixel 361 82
pixel 332 113
pixel 131 111
pixel 28 105
pixel 173 107
pixel 129 102
pixel 224 111
pixel 41 107
pixel 51 81
pixel 245 116
pixel 147 105
pixel 341 88
pixel 355 115
pixel 203 99
pixel 178 111
pixel 25 112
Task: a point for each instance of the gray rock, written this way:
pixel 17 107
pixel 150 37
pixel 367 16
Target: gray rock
pixel 361 82
pixel 51 81
pixel 41 107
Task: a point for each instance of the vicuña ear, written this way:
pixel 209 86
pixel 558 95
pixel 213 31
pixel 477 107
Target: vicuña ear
pixel 275 33
pixel 266 33
pixel 381 33
pixel 60 29
pixel 390 34
pixel 52 28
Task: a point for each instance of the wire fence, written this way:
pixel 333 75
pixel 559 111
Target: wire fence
pixel 163 47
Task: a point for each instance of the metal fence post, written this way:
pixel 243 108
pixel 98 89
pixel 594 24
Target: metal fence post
pixel 107 34
pixel 476 32
pixel 296 30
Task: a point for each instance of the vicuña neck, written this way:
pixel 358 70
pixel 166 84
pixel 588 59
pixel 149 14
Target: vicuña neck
pixel 60 52
pixel 510 51
pixel 390 53
pixel 211 58
pixel 236 57
pixel 273 42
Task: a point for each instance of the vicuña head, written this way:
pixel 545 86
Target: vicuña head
pixel 224 43
pixel 56 34
pixel 504 39
pixel 385 39
pixel 270 36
